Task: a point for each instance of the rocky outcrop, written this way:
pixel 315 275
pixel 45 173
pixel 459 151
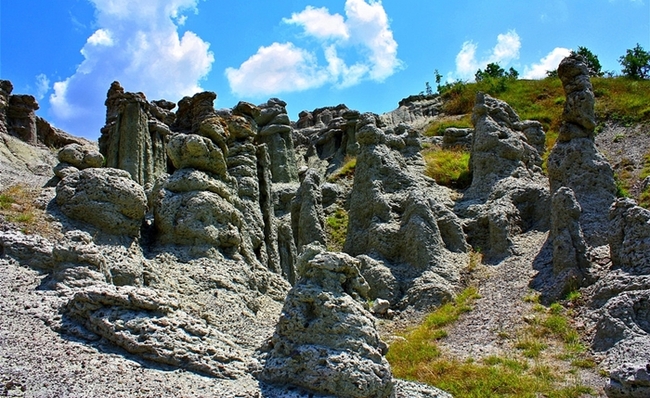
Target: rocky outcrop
pixel 325 341
pixel 307 219
pixel 570 257
pixel 105 198
pixel 574 161
pixel 135 134
pixel 509 192
pixel 416 111
pixel 458 138
pixel 619 303
pixel 275 131
pixel 324 137
pixel 403 220
pixel 153 326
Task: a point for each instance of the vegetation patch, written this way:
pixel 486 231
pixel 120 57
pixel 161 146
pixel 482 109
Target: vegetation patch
pixel 17 205
pixel 528 372
pixel 346 171
pixel 449 167
pixel 336 228
pixel 438 127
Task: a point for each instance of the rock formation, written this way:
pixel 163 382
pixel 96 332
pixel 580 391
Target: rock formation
pixel 104 198
pixel 416 111
pixel 574 161
pixel 509 193
pixel 325 341
pixel 402 219
pixel 135 134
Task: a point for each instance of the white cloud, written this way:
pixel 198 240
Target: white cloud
pixel 138 44
pixel 504 52
pixel 318 22
pixel 275 69
pixel 549 62
pixel 364 34
pixel 42 86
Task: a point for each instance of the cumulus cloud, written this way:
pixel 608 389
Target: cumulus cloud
pixel 138 44
pixel 42 86
pixel 504 52
pixel 363 34
pixel 549 62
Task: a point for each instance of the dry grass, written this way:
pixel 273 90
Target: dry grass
pixel 17 205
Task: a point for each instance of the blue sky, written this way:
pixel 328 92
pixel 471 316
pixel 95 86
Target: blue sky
pixel 368 54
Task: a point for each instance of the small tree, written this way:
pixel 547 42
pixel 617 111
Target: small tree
pixel 636 63
pixel 593 64
pixel 491 70
pixel 428 89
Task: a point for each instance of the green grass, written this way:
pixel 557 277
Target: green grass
pixel 528 372
pixel 448 167
pixel 346 171
pixel 438 127
pixel 336 228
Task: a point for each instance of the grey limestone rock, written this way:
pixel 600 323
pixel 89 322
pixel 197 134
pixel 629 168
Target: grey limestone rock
pixel 307 219
pixel 457 138
pixel 629 238
pixel 80 157
pixel 134 136
pixel 397 216
pixel 325 341
pixel 274 130
pixel 509 192
pixel 151 324
pixel 198 152
pixel 570 254
pixel 574 161
pixel 106 198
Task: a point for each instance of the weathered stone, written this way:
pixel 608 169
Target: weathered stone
pixel 195 151
pixel 325 340
pixel 133 137
pixel 509 192
pixel 570 260
pixel 275 132
pixel 307 218
pixel 629 237
pixel 394 215
pixel 574 161
pixel 80 157
pixel 152 325
pixel 21 119
pixel 105 198
pixel 457 138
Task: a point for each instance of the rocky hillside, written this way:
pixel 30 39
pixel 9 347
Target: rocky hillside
pixel 193 251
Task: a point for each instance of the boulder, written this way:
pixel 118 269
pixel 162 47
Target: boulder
pixel 105 198
pixel 80 157
pixel 326 341
pixel 197 152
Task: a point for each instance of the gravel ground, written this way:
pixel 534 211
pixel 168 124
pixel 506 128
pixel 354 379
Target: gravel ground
pixel 501 311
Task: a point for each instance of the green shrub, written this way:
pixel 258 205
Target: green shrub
pixel 448 167
pixel 336 228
